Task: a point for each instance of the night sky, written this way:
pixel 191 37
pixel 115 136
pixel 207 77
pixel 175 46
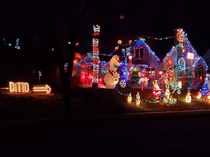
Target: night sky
pixel 148 18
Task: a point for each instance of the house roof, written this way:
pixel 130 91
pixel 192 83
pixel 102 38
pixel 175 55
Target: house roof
pixel 197 57
pixel 139 41
pixel 206 54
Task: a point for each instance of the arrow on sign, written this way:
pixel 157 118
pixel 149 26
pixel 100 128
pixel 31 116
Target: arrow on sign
pixel 42 89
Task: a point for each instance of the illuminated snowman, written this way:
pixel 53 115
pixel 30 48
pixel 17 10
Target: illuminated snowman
pixel 112 76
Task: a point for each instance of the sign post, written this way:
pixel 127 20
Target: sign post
pixel 95 49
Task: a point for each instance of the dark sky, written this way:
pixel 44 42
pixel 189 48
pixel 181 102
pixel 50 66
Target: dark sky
pixel 149 18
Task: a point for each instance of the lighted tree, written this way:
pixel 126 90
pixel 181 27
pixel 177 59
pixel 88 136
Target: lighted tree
pixel 134 76
pixel 205 90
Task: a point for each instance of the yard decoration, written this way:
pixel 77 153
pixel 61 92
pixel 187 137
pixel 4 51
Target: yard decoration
pixel 156 90
pixel 188 97
pixel 129 98
pixel 206 86
pixel 123 83
pixel 199 95
pixel 18 87
pixel 112 77
pixel 208 97
pixel 134 76
pixel 172 100
pixel 142 78
pixel 170 77
pixel 95 50
pixel 167 93
pixel 41 89
pixel 138 100
pixel 180 84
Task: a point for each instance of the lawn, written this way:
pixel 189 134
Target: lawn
pixel 86 102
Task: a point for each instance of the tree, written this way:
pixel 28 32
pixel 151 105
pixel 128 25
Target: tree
pixel 205 90
pixel 54 25
pixel 134 76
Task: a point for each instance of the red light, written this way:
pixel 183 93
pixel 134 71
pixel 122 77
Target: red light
pixel 130 41
pixel 121 17
pixel 3 39
pixel 77 44
pixel 116 48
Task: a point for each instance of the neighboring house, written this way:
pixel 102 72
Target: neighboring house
pixel 84 70
pixel 206 58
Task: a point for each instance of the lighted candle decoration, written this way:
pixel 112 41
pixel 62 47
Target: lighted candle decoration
pixel 188 97
pixel 138 100
pixel 167 93
pixel 129 98
pixel 180 84
pixel 208 97
pixel 199 95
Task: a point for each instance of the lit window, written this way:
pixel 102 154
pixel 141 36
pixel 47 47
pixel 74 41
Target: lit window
pixel 190 55
pixel 139 53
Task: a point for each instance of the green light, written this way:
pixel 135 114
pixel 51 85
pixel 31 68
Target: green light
pixel 52 49
pixel 143 39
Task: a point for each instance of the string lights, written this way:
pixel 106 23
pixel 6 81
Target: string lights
pixel 140 43
pixel 41 89
pixel 155 38
pixel 20 87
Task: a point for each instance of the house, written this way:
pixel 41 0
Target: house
pixel 84 71
pixel 140 55
pixel 191 68
pixel 206 58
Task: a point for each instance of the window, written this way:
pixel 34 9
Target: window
pixel 151 71
pixel 139 53
pixel 142 53
pixel 190 56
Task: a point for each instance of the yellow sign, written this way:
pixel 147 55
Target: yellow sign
pixel 20 87
pixel 41 89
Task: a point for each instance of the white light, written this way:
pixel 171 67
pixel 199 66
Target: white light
pixel 190 55
pixel 10 44
pixel 69 42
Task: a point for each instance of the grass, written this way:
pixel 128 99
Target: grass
pixel 86 102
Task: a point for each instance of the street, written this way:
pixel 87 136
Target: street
pixel 166 137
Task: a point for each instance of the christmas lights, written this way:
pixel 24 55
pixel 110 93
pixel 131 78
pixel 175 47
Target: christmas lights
pixel 138 100
pixel 41 89
pixel 199 95
pixel 170 37
pixel 96 30
pixel 129 99
pixel 156 90
pixel 20 87
pixel 122 83
pixel 140 43
pixel 188 98
pixel 205 90
pixel 17 44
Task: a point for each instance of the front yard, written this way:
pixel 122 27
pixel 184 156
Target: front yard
pixel 86 102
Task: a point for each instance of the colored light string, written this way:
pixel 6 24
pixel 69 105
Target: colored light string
pixel 155 38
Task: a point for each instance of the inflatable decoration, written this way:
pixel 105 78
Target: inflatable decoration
pixel 112 76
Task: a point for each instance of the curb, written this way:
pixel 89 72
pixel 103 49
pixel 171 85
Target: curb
pixel 140 116
pixel 148 115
